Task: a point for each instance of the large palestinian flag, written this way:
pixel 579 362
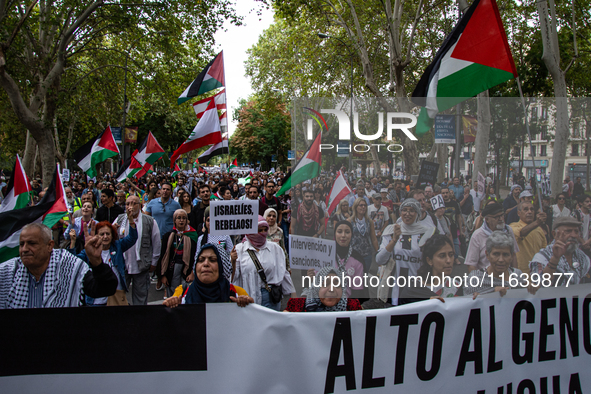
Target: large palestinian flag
pixel 207 132
pixel 307 168
pixel 48 211
pixel 212 77
pixel 18 190
pixel 473 58
pixel 96 151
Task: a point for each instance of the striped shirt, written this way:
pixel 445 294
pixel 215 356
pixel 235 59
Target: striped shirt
pixel 35 291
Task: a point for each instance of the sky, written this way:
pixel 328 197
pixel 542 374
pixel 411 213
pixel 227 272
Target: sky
pixel 235 42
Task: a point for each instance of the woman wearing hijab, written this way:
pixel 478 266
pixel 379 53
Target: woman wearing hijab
pixel 275 234
pixel 272 260
pixel 327 295
pixel 235 191
pixel 177 254
pixel 222 242
pixel 347 259
pixel 400 251
pixel 209 285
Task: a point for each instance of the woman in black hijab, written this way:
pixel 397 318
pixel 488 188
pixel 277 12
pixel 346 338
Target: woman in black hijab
pixel 210 285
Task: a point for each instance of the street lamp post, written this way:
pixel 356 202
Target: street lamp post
pixel 323 36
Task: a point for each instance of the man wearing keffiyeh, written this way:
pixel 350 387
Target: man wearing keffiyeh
pixel 43 277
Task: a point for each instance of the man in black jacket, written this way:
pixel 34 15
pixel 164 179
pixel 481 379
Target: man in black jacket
pixel 109 211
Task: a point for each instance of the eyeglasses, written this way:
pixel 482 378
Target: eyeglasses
pixel 561 198
pixel 130 203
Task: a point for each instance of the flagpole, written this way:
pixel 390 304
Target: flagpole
pixel 531 146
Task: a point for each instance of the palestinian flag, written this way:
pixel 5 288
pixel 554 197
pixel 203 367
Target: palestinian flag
pixel 146 169
pixel 18 190
pixel 129 168
pixel 96 151
pixel 307 168
pixel 149 151
pixel 233 165
pixel 212 77
pixel 48 211
pixel 473 58
pixel 191 233
pixel 207 132
pixel 176 171
pixel 215 196
pixel 221 148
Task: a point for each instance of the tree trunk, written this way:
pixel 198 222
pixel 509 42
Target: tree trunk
pixel 482 135
pixel 29 155
pixel 551 58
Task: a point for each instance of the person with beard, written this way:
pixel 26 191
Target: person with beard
pixel 494 220
pixel 563 255
pixel 309 219
pixel 529 234
pixel 198 211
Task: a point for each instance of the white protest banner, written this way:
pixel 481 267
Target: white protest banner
pixel 437 202
pixel 481 183
pixel 520 343
pixel 65 175
pixel 310 252
pixel 233 217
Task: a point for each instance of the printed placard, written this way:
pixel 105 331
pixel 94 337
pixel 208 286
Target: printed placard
pixel 233 217
pixel 437 202
pixel 65 175
pixel 310 252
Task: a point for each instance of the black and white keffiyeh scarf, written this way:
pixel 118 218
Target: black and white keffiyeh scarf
pixel 63 285
pixel 313 302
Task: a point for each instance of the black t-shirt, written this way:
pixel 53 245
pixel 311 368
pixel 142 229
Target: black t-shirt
pixel 452 208
pixel 273 203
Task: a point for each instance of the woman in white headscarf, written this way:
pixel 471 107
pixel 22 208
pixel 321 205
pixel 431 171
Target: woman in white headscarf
pixel 400 250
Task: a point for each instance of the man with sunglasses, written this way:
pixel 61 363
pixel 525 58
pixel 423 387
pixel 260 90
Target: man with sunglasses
pixel 162 209
pixel 494 220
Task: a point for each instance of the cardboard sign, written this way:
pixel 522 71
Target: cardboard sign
pixel 235 217
pixel 437 202
pixel 428 173
pixel 481 183
pixel 310 252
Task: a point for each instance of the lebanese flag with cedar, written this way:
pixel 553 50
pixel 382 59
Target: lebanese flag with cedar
pixel 207 132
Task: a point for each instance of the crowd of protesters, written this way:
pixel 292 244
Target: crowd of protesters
pixel 387 227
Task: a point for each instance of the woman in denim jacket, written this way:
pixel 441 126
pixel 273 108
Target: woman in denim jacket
pixel 112 255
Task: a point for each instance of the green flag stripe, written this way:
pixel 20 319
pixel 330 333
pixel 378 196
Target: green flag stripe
pixel 468 82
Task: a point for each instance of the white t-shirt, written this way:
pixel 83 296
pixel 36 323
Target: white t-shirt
pixel 407 255
pixel 476 199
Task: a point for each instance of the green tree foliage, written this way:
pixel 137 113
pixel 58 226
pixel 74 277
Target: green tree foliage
pixel 62 66
pixel 263 130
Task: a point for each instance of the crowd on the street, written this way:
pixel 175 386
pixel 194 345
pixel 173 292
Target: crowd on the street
pixel 118 238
